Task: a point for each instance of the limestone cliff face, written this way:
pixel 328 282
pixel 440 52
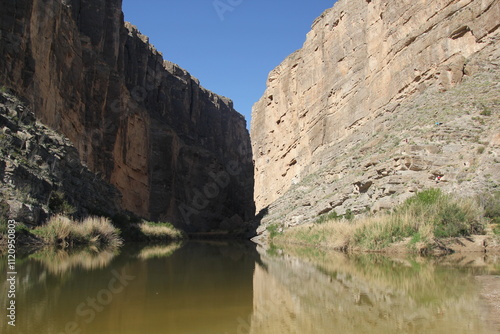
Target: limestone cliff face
pixel 360 61
pixel 176 151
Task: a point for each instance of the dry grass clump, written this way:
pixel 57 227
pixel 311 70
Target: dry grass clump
pixel 419 220
pixel 160 231
pixel 91 231
pixel 336 234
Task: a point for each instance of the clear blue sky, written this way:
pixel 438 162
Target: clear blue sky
pixel 229 45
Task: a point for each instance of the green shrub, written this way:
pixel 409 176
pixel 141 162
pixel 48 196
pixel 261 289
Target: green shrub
pixel 426 197
pixel 273 230
pixel 334 216
pixel 420 219
pixel 485 111
pixel 496 229
pixel 58 204
pixel 327 217
pixel 491 204
pixel 451 221
pixel 349 215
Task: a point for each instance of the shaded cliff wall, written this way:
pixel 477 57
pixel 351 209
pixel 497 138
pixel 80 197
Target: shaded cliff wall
pixel 176 151
pixel 358 63
pixel 41 173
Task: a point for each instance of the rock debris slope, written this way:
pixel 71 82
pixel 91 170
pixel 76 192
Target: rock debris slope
pixel 41 173
pixel 176 151
pixel 383 98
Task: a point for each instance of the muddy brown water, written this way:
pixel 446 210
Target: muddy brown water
pixel 233 288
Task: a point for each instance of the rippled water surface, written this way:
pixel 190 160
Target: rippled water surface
pixel 231 288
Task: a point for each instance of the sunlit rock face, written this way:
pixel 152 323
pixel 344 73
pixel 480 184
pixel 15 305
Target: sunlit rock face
pixel 175 150
pixel 360 61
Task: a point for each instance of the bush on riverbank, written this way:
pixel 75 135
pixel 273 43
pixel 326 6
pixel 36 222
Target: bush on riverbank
pixel 160 231
pixel 99 231
pixel 421 219
pixel 61 230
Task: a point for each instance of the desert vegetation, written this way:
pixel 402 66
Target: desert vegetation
pixel 65 232
pixel 419 223
pixel 160 231
pixel 61 230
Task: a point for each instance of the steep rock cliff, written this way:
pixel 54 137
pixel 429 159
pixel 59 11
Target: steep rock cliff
pixel 41 173
pixel 345 120
pixel 176 151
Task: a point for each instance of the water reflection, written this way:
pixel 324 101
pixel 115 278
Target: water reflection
pixel 230 288
pixel 336 293
pixel 195 288
pixel 158 251
pixel 60 261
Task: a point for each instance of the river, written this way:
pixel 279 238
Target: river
pixel 236 288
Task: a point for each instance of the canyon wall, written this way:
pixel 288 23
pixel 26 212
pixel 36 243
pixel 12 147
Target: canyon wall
pixel 176 151
pixel 360 63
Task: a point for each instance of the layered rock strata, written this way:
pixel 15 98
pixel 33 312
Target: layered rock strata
pixel 176 151
pixel 382 100
pixel 41 173
pixel 358 63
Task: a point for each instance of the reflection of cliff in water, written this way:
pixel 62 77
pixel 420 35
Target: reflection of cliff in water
pixel 364 294
pixel 229 288
pixel 199 287
pixel 52 282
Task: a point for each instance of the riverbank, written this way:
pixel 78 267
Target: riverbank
pixel 64 232
pixel 428 223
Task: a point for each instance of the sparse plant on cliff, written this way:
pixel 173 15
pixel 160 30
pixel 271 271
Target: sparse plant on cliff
pixel 334 216
pixel 485 110
pixel 23 194
pixel 59 205
pixel 4 140
pixel 327 217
